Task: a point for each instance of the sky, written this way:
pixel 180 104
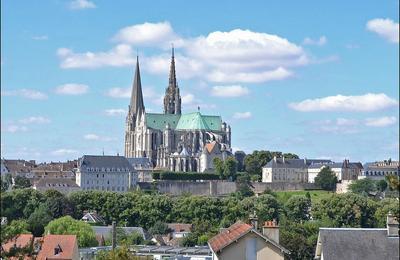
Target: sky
pixel 319 79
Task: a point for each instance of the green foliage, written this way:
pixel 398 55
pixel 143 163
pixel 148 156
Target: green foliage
pixel 69 226
pixel 219 167
pixel 239 156
pixel 184 176
pixel 58 204
pixel 384 207
pixel 346 210
pixel 243 182
pixel 38 220
pixel 120 253
pixel 159 228
pixel 230 168
pixel 326 179
pixel 20 203
pixel 381 185
pixel 394 182
pixel 124 238
pixel 363 186
pixel 14 228
pixel 4 185
pixel 21 182
pixel 297 208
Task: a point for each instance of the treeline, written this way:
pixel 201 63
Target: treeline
pixel 299 225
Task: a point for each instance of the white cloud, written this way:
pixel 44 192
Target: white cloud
pixel 115 112
pixel 35 120
pixel 250 77
pixel 385 28
pixel 380 121
pixel 242 115
pixel 40 37
pixel 12 128
pixel 319 42
pixel 364 103
pixel 91 137
pixel 119 56
pixel 149 34
pixel 25 93
pixel 229 91
pixel 81 4
pixel 119 92
pixel 338 126
pixel 190 101
pixel 64 151
pixel 72 89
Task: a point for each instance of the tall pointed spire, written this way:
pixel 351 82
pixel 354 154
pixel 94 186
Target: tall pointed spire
pixel 137 104
pixel 172 98
pixel 172 73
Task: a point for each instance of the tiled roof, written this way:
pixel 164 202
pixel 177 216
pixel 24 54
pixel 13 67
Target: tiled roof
pixel 93 217
pixel 180 227
pixel 105 161
pixel 358 243
pixel 190 121
pixel 56 183
pixel 210 146
pixel 18 241
pixel 294 163
pixel 140 162
pixel 67 244
pixel 229 235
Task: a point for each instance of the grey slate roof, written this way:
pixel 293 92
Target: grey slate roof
pixel 104 161
pixel 141 162
pixel 358 243
pixel 293 163
pixel 106 230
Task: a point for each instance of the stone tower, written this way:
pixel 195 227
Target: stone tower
pixel 172 99
pixel 135 112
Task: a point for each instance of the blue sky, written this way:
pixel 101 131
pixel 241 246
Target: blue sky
pixel 312 78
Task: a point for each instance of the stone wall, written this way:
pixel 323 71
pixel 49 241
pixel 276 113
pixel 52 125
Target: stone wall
pixel 218 188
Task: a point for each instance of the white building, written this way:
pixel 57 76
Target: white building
pixel 379 170
pixel 344 171
pixel 110 173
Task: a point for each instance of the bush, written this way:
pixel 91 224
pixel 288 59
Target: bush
pixel 184 176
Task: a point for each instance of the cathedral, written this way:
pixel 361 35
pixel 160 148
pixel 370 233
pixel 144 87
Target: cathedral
pixel 174 140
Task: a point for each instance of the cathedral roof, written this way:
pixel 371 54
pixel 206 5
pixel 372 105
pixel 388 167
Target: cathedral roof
pixel 190 121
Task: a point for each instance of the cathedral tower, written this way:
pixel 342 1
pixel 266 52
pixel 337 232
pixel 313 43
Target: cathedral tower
pixel 172 98
pixel 135 112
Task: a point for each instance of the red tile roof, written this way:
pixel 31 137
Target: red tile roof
pixel 180 227
pixel 19 241
pixel 229 235
pixel 210 146
pixel 67 243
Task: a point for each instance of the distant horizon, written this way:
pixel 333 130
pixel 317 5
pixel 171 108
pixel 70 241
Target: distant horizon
pixel 327 87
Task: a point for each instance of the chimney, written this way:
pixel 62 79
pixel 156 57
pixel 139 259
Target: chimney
pixel 274 158
pixel 283 159
pixel 392 225
pixel 114 235
pixel 254 220
pixel 271 230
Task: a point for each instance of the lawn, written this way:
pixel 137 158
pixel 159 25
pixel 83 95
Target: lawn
pixel 316 195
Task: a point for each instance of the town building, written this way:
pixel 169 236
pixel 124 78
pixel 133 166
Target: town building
pixel 92 217
pixel 104 233
pixel 344 171
pixel 63 185
pixel 171 140
pixel 244 241
pixel 143 167
pixel 359 243
pixel 105 172
pixel 288 170
pixel 379 170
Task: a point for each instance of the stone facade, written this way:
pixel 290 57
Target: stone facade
pixel 171 140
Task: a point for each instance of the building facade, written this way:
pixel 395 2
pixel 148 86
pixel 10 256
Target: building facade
pixel 379 170
pixel 103 172
pixel 171 140
pixel 344 171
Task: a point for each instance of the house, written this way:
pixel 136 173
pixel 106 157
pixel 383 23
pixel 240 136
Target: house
pixel 63 247
pixel 243 241
pixel 288 170
pixel 212 150
pixel 20 241
pixel 92 218
pixel 104 232
pixel 379 170
pixel 143 167
pixel 344 171
pixel 359 243
pixel 62 185
pixel 104 172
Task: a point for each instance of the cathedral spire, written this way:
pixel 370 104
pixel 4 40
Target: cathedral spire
pixel 136 105
pixel 172 98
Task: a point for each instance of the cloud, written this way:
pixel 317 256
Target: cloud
pixel 380 121
pixel 115 112
pixel 81 4
pixel 242 115
pixel 25 93
pixel 119 56
pixel 190 101
pixel 319 42
pixel 229 91
pixel 338 126
pixel 119 92
pixel 148 34
pixel 12 128
pixel 95 137
pixel 250 77
pixel 35 120
pixel 72 89
pixel 385 28
pixel 64 151
pixel 364 103
pixel 40 37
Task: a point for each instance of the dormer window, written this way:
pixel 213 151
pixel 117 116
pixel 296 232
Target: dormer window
pixel 57 250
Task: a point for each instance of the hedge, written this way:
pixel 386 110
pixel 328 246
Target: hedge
pixel 184 176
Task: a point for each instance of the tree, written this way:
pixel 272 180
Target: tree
pixel 38 220
pixel 363 186
pixel 394 182
pixel 120 253
pixel 21 182
pixel 230 168
pixel 243 183
pixel 381 185
pixel 57 203
pixel 4 185
pixel 13 229
pixel 159 228
pixel 69 226
pixel 219 167
pixel 239 156
pixel 297 208
pixel 384 207
pixel 326 179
